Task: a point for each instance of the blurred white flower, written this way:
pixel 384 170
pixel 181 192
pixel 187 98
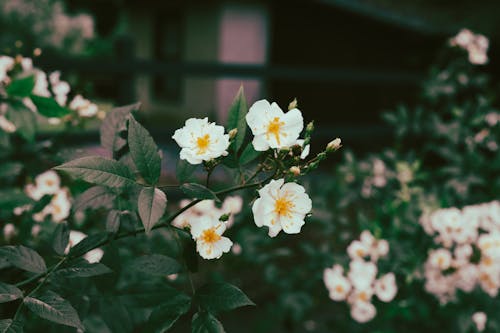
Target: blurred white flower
pixel 480 319
pixel 281 207
pixel 386 288
pixel 201 141
pixel 363 312
pixel 6 64
pixel 440 258
pixel 9 231
pixel 75 237
pixel 475 44
pixel 83 107
pixel 337 285
pixel 271 127
pixel 207 232
pixel 362 274
pixel 59 88
pixel 357 250
pixel 41 87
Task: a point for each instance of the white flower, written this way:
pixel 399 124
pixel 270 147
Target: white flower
pixel 362 274
pixel 83 106
pixel 386 288
pixel 41 84
pixel 361 295
pixel 440 258
pixel 59 88
pixel 271 127
pixel 479 319
pixel 358 250
pixel 207 232
pixel 475 44
pixel 48 182
pixel 363 312
pixel 337 285
pixel 232 205
pixel 9 231
pixel 75 237
pixel 6 64
pixel 201 141
pixel 281 207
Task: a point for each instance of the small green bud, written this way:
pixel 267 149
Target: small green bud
pixel 293 104
pixel 295 170
pixel 310 127
pixel 232 133
pixel 224 217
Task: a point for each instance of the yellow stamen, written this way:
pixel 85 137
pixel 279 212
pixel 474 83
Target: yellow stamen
pixel 210 236
pixel 283 206
pixel 274 128
pixel 339 288
pixel 202 142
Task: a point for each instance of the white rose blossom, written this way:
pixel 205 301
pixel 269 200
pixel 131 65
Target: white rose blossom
pixel 83 107
pixel 337 285
pixel 363 312
pixel 480 319
pixel 207 232
pixel 271 127
pixel 201 141
pixel 281 207
pixel 386 288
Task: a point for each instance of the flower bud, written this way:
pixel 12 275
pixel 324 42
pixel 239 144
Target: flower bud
pixel 293 104
pixel 224 217
pixel 295 170
pixel 334 145
pixel 9 231
pixel 310 127
pixel 232 133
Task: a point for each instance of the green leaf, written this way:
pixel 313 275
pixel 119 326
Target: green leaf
pixel 94 197
pixel 24 120
pixel 21 86
pixel 113 221
pixel 164 316
pixel 61 238
pixel 48 107
pixel 198 191
pixel 152 203
pixel 236 118
pixel 88 243
pixel 113 125
pixel 11 326
pixel 53 307
pixel 216 297
pixel 9 293
pixel 155 264
pixel 204 322
pixel 185 171
pixel 116 315
pixel 144 152
pixel 84 269
pixel 147 293
pixel 23 258
pixel 99 170
pixel 249 154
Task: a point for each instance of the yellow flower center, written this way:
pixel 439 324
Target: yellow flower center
pixel 57 209
pixel 339 288
pixel 360 253
pixel 363 296
pixel 210 236
pixel 283 206
pixel 49 182
pixel 202 142
pixel 274 128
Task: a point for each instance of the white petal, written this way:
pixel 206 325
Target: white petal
pixel 292 224
pixel 260 143
pixel 257 116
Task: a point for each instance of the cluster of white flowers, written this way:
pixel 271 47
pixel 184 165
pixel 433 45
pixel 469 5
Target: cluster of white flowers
pixel 475 44
pixel 469 253
pixel 49 22
pixel 58 89
pixel 49 183
pixel 360 283
pixel 204 222
pixel 280 206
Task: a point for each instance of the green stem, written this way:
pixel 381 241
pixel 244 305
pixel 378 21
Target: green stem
pixel 45 278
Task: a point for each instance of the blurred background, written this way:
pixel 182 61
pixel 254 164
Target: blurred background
pixel 346 61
